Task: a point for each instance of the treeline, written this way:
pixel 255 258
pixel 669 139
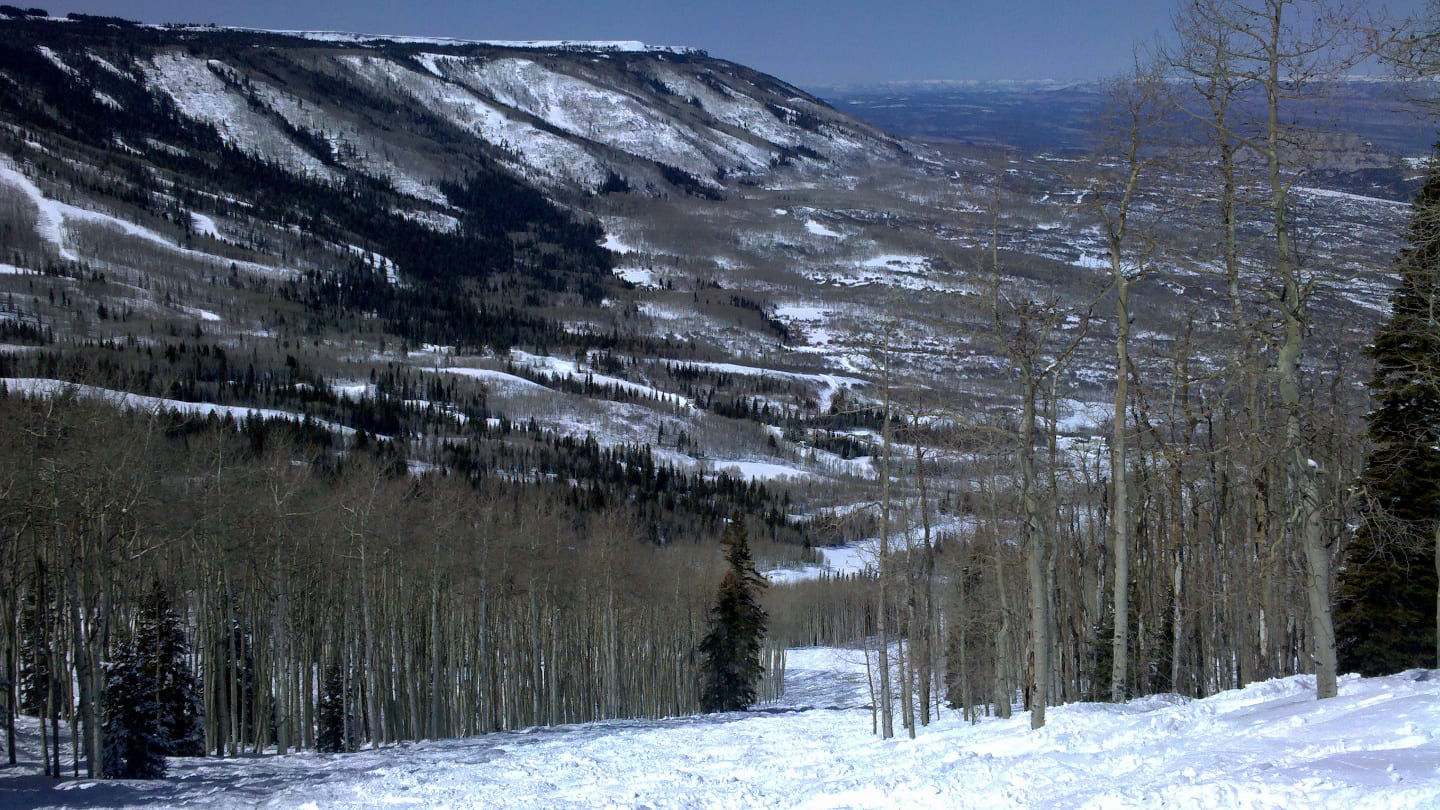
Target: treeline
pixel 309 581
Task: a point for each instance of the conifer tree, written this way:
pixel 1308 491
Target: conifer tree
pixel 135 744
pixel 36 618
pixel 162 649
pixel 731 650
pixel 1386 610
pixel 331 717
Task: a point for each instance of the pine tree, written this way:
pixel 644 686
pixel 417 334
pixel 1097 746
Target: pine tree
pixel 331 717
pixel 162 650
pixel 37 618
pixel 135 744
pixel 731 650
pixel 1386 598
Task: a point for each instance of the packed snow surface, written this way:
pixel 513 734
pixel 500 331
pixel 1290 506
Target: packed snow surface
pixel 1269 745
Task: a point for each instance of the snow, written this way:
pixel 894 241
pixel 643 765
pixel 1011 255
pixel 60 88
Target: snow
pixel 197 90
pixel 597 45
pixel 639 276
pixel 50 221
pixel 353 389
pixel 499 379
pixel 446 92
pixel 55 60
pixel 759 470
pixel 12 270
pixel 596 113
pixel 204 225
pixel 546 364
pixel 847 560
pixel 1082 417
pixel 202 314
pixel 829 384
pixel 51 217
pixel 820 230
pixel 41 387
pixel 1268 745
pixel 615 244
pixel 1348 197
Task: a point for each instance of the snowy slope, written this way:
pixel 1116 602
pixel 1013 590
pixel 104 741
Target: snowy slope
pixel 123 400
pixel 196 87
pixel 561 114
pixel 1270 745
pixel 601 114
pixel 546 156
pixel 55 221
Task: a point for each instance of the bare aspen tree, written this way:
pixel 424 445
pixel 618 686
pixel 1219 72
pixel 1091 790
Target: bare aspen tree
pixel 1027 330
pixel 885 696
pixel 1282 50
pixel 1137 103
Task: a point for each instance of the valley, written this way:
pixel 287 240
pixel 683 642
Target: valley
pixel 447 365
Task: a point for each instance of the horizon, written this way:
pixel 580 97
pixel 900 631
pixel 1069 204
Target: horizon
pixel 854 43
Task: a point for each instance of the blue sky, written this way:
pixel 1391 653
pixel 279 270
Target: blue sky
pixel 806 42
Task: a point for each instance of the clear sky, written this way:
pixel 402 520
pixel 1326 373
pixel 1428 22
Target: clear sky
pixel 806 42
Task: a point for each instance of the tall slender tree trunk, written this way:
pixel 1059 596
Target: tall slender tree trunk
pixel 927 633
pixel 1035 560
pixel 1120 476
pixel 1306 521
pixel 887 709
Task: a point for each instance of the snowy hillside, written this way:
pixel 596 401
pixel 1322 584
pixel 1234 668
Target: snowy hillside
pixel 562 114
pixel 1270 745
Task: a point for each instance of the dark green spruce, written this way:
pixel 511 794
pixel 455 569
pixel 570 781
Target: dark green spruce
pixel 163 651
pixel 1385 612
pixel 332 717
pixel 135 742
pixel 731 649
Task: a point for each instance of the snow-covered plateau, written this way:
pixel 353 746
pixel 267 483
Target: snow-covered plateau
pixel 1269 745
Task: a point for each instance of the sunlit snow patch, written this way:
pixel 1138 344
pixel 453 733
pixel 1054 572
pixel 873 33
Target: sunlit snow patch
pixel 820 230
pixel 639 276
pixel 204 225
pixel 615 244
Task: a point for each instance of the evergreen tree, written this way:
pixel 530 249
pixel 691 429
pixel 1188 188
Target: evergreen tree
pixel 1386 610
pixel 162 650
pixel 332 718
pixel 135 744
pixel 731 650
pixel 37 617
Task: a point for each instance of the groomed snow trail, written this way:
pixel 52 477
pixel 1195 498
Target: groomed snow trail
pixel 1269 745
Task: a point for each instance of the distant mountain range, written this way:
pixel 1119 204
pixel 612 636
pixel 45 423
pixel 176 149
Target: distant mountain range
pixel 1050 115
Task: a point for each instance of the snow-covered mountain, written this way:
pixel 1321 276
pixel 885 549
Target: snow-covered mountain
pixel 564 115
pixel 641 244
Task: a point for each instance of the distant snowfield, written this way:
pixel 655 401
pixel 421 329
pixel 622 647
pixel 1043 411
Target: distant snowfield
pixel 601 45
pixel 40 387
pixel 499 379
pixel 1269 745
pixel 817 229
pixel 52 216
pixel 559 367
